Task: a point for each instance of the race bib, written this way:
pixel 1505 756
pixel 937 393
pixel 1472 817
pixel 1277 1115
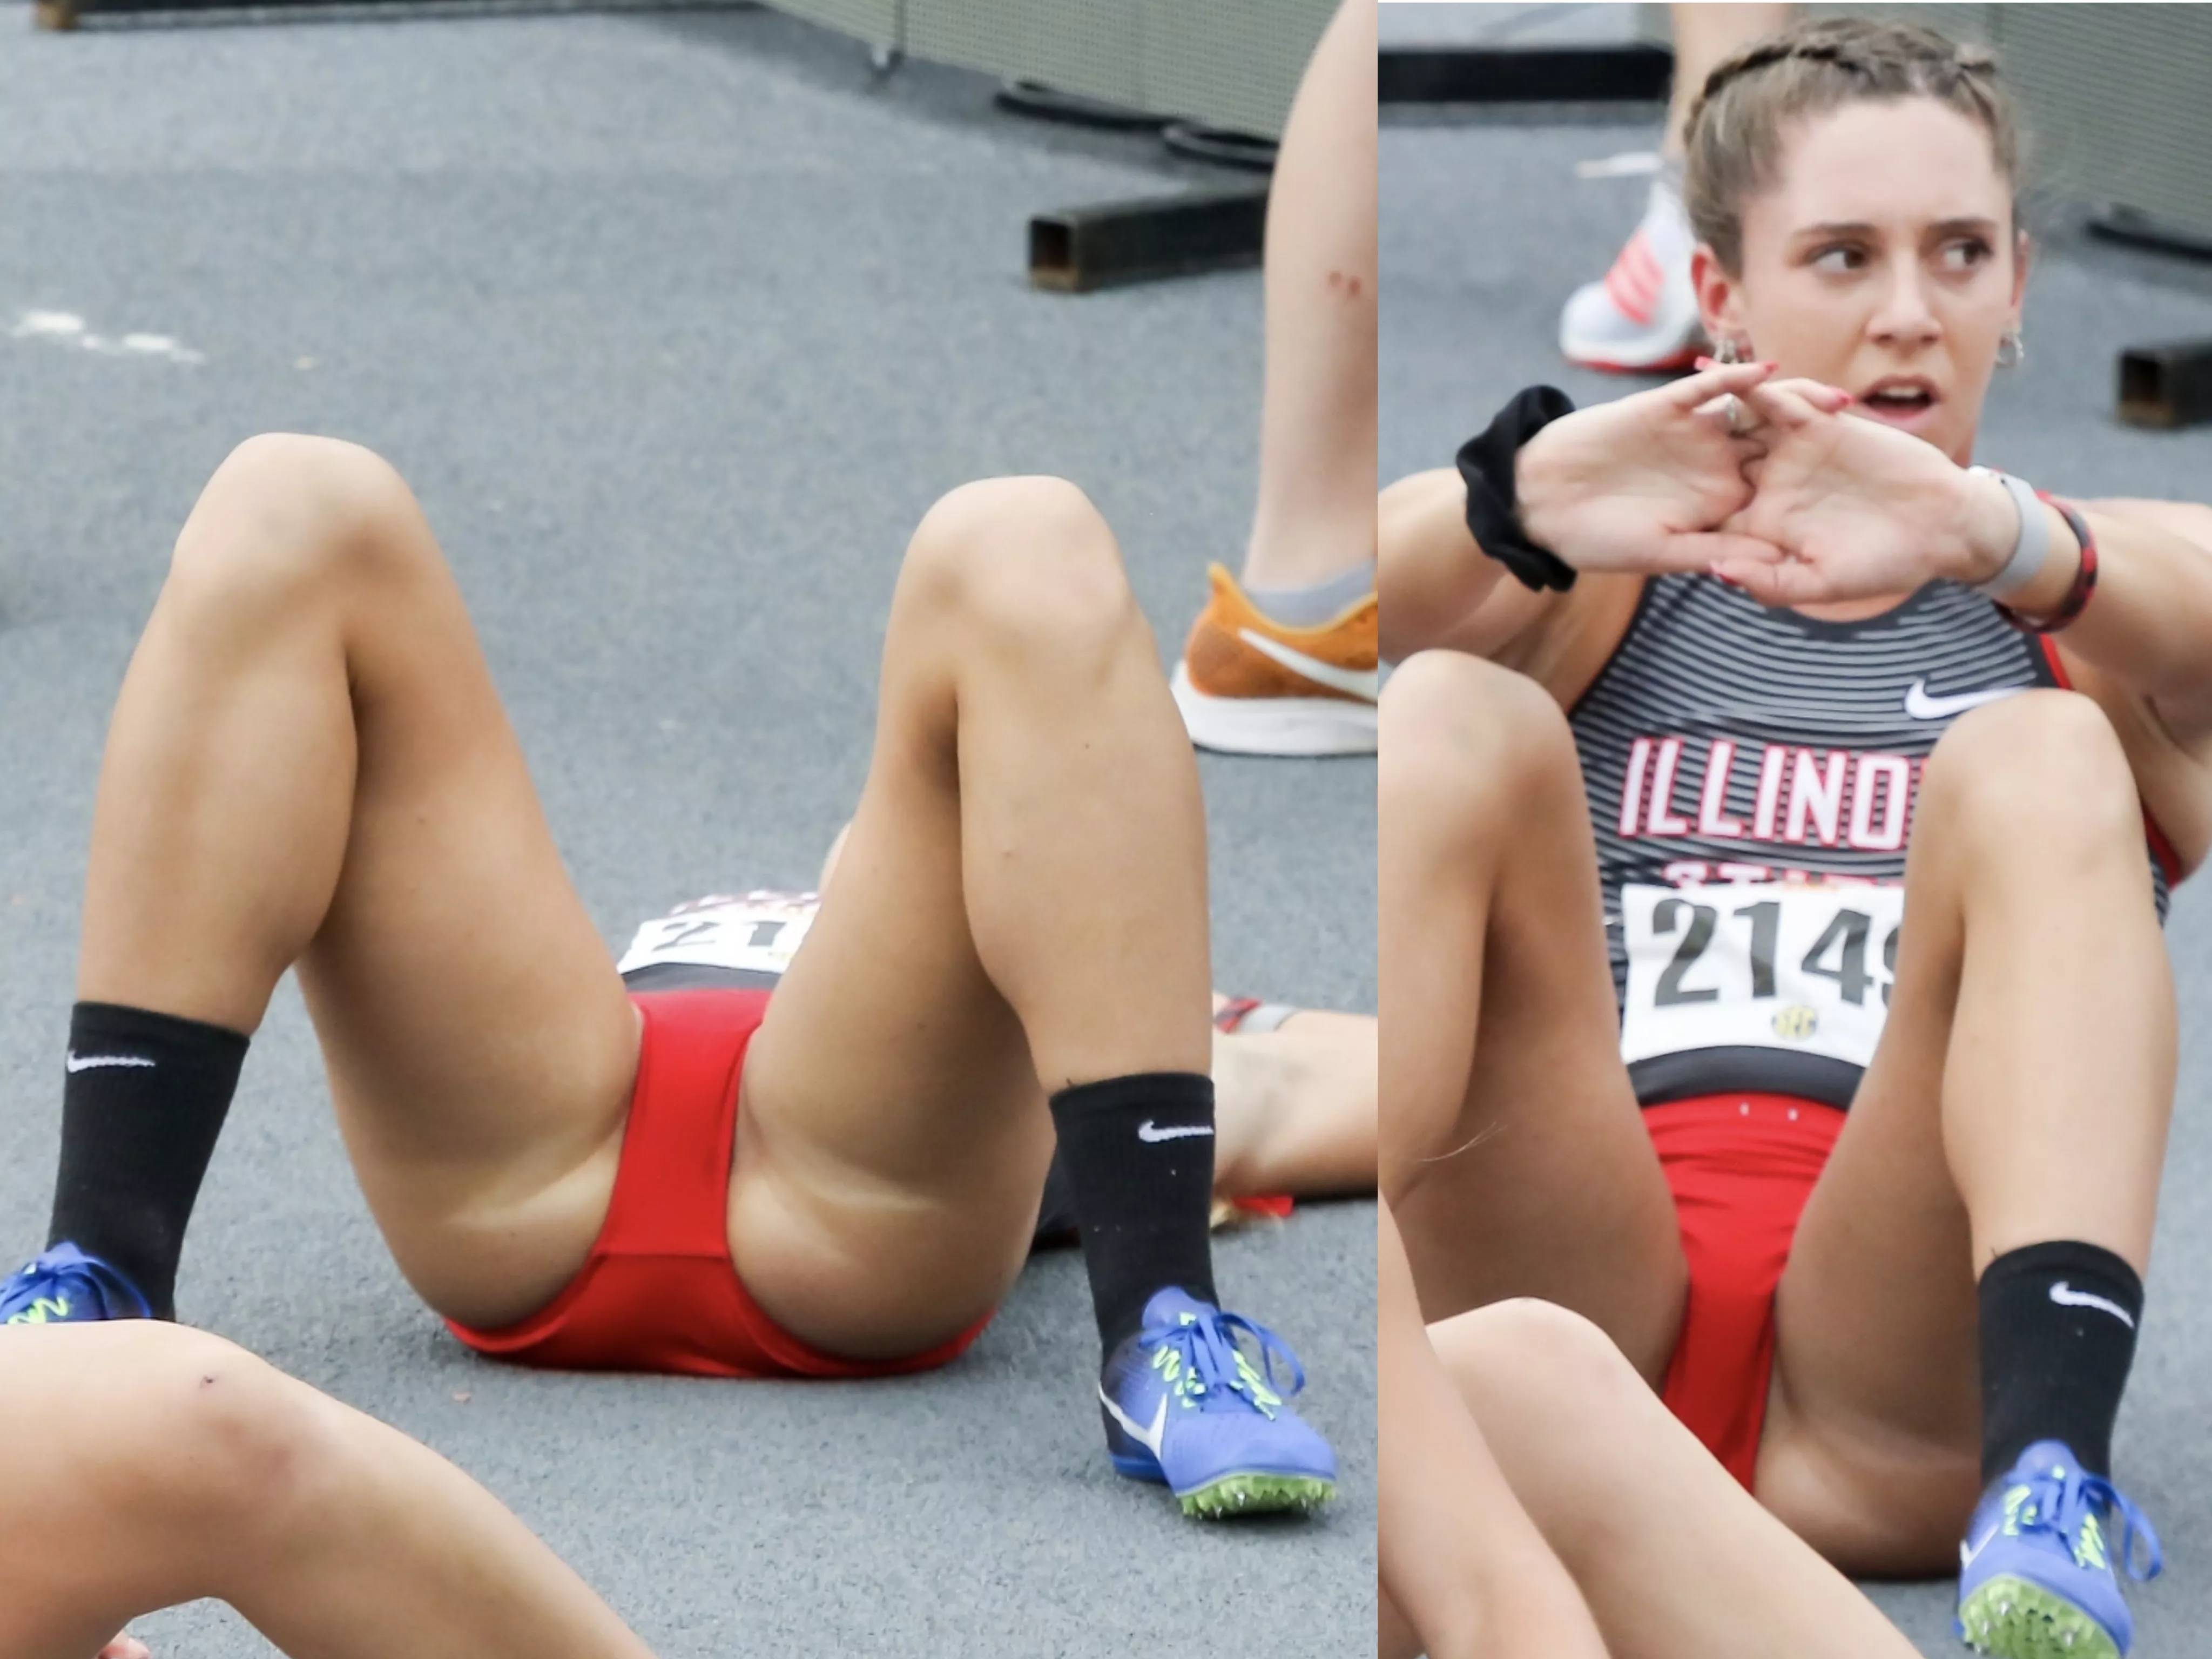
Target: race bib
pixel 758 933
pixel 1797 966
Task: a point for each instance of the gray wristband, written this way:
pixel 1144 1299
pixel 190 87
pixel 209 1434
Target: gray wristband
pixel 2032 546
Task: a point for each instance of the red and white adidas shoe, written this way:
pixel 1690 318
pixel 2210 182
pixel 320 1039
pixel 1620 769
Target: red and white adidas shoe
pixel 1642 318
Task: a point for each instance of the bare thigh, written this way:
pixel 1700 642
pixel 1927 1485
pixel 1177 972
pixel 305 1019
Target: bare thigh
pixel 119 1503
pixel 308 765
pixel 1512 1150
pixel 1019 904
pixel 2020 1093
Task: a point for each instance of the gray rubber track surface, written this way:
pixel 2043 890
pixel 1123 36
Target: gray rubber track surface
pixel 677 325
pixel 1485 231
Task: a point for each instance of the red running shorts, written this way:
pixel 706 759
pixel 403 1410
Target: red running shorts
pixel 658 1291
pixel 1741 1167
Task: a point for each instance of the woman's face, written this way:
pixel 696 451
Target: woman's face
pixel 1883 261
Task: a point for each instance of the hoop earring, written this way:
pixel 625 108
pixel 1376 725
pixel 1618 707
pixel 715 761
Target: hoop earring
pixel 2011 348
pixel 1730 350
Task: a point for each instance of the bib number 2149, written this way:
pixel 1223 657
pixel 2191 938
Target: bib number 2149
pixel 1800 967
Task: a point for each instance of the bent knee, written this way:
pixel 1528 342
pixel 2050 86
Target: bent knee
pixel 1025 561
pixel 1526 1348
pixel 2045 758
pixel 219 1440
pixel 286 517
pixel 1459 730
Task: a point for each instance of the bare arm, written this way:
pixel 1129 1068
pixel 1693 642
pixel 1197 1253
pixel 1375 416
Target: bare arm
pixel 1634 486
pixel 1438 587
pixel 2149 627
pixel 1462 1562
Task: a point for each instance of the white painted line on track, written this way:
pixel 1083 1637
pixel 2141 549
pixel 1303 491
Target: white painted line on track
pixel 66 328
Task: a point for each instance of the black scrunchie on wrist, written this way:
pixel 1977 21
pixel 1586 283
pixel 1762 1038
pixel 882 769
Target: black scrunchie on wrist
pixel 1492 515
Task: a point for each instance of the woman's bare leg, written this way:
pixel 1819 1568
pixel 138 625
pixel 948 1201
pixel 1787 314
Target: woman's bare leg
pixel 1516 1162
pixel 308 764
pixel 1674 1559
pixel 1464 1571
pixel 1704 34
pixel 2020 1093
pixel 1020 905
pixel 173 1466
pixel 1316 517
pixel 1294 1108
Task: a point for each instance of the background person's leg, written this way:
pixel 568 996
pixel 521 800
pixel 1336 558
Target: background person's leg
pixel 1307 686
pixel 1673 1559
pixel 1295 1107
pixel 1020 905
pixel 2020 1095
pixel 1643 315
pixel 171 1466
pixel 308 763
pixel 1464 1570
pixel 1316 517
pixel 1512 1153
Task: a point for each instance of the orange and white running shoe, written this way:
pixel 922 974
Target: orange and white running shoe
pixel 1248 685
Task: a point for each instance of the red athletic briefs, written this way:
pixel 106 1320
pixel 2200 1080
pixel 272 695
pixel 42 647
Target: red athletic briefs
pixel 1741 1167
pixel 658 1291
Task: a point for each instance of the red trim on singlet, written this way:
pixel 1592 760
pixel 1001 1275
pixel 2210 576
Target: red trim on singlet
pixel 1741 1167
pixel 2160 849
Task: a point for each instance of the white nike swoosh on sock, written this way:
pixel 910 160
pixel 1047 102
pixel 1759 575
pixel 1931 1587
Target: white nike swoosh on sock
pixel 1358 682
pixel 86 1062
pixel 1148 1131
pixel 2066 1296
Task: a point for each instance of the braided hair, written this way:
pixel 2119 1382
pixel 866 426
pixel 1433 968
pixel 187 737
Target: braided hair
pixel 1732 138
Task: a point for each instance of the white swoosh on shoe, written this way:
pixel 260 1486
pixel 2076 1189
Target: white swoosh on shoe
pixel 1149 1438
pixel 1358 682
pixel 1922 707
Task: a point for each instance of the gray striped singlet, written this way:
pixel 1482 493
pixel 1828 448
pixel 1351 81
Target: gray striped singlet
pixel 1723 742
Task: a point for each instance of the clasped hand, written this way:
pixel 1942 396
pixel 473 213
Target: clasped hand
pixel 1786 495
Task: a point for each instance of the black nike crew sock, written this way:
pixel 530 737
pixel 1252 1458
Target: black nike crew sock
pixel 142 1107
pixel 1138 1152
pixel 1055 1223
pixel 2058 1325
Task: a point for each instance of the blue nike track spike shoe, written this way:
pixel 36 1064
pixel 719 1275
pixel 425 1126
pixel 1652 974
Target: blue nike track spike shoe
pixel 2036 1577
pixel 1193 1400
pixel 65 1286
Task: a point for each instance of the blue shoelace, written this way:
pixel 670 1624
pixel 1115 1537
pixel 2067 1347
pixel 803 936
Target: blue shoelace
pixel 1208 1348
pixel 2061 1505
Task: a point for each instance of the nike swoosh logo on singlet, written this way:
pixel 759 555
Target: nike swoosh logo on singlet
pixel 1922 707
pixel 1351 680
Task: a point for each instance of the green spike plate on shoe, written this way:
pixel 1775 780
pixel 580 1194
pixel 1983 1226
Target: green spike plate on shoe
pixel 2012 1618
pixel 1257 1494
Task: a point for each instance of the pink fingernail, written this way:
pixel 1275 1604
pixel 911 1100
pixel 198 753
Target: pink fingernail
pixel 1703 363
